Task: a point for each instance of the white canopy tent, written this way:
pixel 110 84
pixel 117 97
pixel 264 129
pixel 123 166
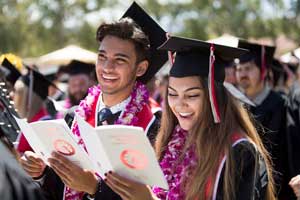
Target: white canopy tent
pixel 65 55
pixel 226 40
pixel 288 57
pixel 50 62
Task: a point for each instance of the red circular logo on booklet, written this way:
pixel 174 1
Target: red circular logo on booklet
pixel 134 159
pixel 64 147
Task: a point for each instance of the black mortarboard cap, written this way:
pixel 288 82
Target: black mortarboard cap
pixel 157 36
pixel 281 69
pixel 255 53
pixel 77 67
pixel 192 57
pixel 229 63
pixel 277 66
pixel 13 73
pixel 199 58
pixel 278 71
pixel 262 55
pixel 40 83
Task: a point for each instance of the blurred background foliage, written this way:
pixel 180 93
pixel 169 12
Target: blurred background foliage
pixel 33 27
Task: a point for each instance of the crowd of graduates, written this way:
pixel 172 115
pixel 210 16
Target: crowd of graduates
pixel 224 122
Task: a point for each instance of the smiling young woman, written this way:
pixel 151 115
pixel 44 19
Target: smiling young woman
pixel 207 145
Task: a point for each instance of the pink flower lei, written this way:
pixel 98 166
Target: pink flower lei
pixel 176 173
pixel 139 97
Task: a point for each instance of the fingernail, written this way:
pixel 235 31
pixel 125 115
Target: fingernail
pixel 110 172
pixel 105 174
pixel 105 179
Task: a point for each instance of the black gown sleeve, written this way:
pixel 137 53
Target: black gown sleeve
pixel 52 185
pixel 293 133
pixel 272 115
pixel 250 174
pixel 14 182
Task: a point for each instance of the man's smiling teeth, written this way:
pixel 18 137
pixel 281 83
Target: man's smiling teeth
pixel 109 77
pixel 185 114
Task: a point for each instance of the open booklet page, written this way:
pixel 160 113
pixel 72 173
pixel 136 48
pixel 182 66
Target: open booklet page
pixel 54 135
pixel 125 150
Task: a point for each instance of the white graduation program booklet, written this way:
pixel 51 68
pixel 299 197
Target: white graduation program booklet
pixel 125 150
pixel 54 135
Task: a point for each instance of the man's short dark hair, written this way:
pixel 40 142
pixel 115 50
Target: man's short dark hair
pixel 127 29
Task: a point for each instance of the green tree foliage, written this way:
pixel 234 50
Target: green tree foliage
pixel 243 18
pixel 34 27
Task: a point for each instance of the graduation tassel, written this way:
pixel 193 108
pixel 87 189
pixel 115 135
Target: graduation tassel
pixel 170 55
pixel 263 62
pixel 30 92
pixel 211 87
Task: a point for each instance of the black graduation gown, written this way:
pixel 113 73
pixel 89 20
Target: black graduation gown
pixel 250 177
pixel 293 132
pixel 54 187
pixel 14 182
pixel 271 114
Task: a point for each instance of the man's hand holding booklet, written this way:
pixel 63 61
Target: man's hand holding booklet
pixel 124 150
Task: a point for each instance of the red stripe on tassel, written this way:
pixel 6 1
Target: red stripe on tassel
pixel 171 57
pixel 263 63
pixel 211 87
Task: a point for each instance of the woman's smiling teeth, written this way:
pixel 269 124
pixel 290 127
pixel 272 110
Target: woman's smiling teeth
pixel 185 114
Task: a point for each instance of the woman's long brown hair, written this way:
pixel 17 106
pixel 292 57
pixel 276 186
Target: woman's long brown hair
pixel 212 140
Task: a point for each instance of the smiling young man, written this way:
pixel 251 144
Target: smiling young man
pixel 127 58
pixel 269 111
